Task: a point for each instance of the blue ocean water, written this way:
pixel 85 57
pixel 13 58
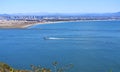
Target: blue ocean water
pixel 91 46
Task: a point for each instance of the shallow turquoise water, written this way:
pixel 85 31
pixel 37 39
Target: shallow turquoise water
pixel 90 46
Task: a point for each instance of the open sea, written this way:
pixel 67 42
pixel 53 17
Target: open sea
pixel 91 46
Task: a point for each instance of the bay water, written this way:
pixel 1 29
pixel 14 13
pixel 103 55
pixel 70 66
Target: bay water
pixel 91 46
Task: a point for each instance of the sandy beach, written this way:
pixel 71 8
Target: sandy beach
pixel 22 24
pixel 16 24
pixel 26 24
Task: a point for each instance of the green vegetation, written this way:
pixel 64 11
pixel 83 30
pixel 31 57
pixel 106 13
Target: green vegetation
pixel 6 68
pixel 39 69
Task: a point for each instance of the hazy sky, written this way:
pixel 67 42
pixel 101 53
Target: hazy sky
pixel 59 6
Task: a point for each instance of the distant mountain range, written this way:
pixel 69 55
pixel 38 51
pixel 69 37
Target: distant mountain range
pixel 62 14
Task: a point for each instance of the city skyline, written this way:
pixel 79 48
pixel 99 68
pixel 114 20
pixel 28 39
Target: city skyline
pixel 59 6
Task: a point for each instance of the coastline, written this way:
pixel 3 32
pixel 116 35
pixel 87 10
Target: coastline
pixel 26 24
pixel 41 23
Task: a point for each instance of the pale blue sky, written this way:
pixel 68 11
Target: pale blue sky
pixel 59 6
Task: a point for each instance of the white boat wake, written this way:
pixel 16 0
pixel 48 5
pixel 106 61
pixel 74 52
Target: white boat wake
pixel 53 38
pixel 69 38
pixel 61 38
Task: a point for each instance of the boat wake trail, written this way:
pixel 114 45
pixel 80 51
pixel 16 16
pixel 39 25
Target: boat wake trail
pixel 54 38
pixel 62 38
pixel 75 38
